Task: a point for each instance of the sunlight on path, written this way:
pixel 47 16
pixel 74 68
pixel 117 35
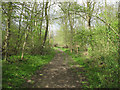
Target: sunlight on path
pixel 57 74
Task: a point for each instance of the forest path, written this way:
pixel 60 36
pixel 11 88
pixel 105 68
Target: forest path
pixel 58 74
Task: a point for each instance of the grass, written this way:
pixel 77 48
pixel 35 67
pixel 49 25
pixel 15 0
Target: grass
pixel 63 49
pixel 104 76
pixel 17 72
pixel 98 76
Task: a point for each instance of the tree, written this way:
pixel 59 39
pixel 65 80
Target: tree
pixel 8 13
pixel 18 41
pixel 71 28
pixel 47 22
pixel 41 19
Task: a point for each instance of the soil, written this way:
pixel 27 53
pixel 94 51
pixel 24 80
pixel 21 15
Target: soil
pixel 59 73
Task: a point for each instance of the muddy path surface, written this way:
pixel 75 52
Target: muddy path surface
pixel 58 74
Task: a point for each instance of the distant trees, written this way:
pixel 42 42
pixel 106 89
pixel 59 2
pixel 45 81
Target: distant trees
pixel 91 12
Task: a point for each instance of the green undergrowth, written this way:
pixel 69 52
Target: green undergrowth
pixel 98 75
pixel 63 49
pixel 16 72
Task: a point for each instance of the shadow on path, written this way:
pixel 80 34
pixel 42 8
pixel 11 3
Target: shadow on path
pixel 57 74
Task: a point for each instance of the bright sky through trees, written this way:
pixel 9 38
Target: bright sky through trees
pixel 55 26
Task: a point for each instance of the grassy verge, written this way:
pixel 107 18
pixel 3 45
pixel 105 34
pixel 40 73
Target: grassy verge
pixel 99 75
pixel 15 73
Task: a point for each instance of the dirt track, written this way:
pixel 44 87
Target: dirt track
pixel 57 74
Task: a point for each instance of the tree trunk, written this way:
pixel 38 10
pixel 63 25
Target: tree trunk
pixel 41 19
pixel 26 36
pixel 66 30
pixel 32 38
pixel 46 16
pixel 71 28
pixel 24 44
pixel 8 33
pixel 89 22
pixel 88 16
pixel 18 42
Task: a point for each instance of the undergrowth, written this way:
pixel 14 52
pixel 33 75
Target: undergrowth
pixel 16 72
pixel 101 72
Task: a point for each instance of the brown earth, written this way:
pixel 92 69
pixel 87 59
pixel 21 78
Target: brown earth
pixel 59 73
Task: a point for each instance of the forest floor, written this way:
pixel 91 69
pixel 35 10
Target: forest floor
pixel 61 72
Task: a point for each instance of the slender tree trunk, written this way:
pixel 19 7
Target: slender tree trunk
pixel 71 28
pixel 46 16
pixel 32 38
pixel 6 39
pixel 18 42
pixel 24 44
pixel 26 36
pixel 41 19
pixel 49 37
pixel 8 33
pixel 66 30
pixel 89 22
pixel 88 16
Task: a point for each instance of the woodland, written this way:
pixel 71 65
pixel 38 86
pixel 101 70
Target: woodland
pixel 33 34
